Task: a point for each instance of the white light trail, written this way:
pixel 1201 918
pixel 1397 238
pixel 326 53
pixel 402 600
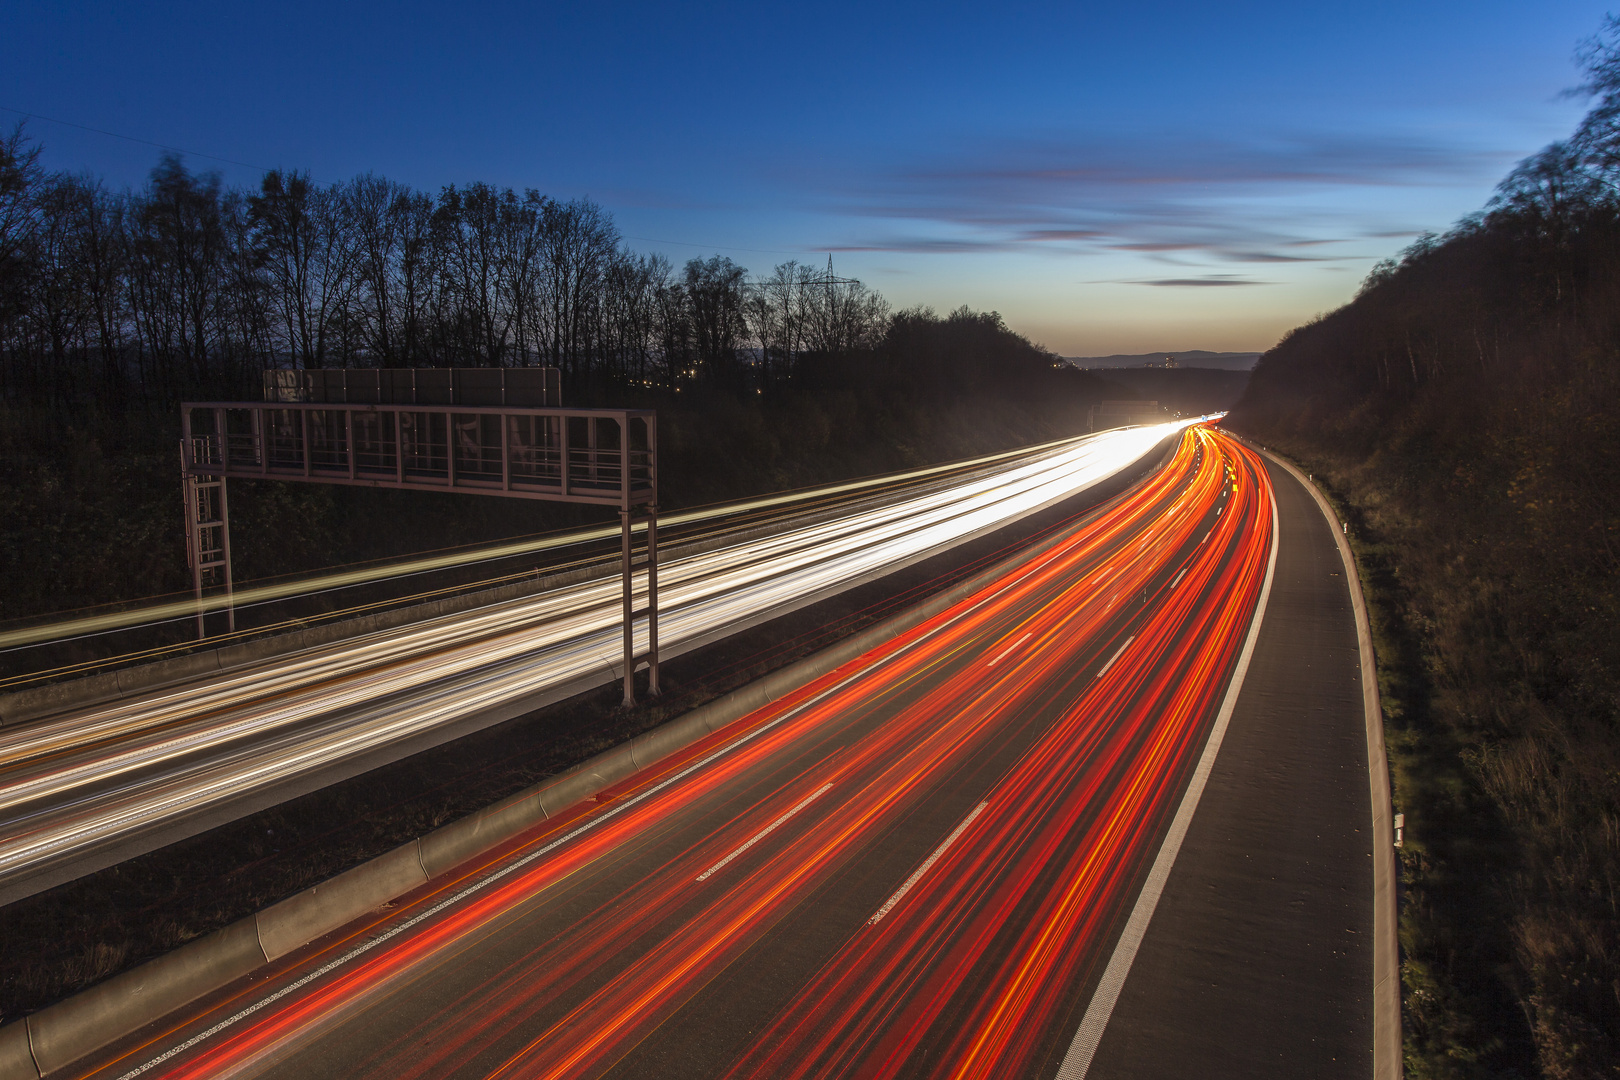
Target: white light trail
pixel 81 781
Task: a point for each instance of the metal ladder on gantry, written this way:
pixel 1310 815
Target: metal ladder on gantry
pixel 478 431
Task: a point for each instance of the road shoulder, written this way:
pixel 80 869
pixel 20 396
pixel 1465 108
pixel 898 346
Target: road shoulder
pixel 1259 958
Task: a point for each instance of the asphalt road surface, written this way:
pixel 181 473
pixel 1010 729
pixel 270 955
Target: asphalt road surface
pixel 918 865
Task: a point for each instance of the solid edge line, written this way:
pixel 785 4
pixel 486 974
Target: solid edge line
pixel 1077 1061
pixel 1387 1064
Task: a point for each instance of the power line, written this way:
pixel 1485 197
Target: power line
pixel 830 279
pixel 133 139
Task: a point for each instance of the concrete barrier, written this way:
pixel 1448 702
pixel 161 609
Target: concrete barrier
pixel 197 665
pixel 456 843
pixel 94 1018
pixel 315 912
pixel 67 1031
pixel 16 1056
pixel 653 746
pixel 38 701
pixel 600 772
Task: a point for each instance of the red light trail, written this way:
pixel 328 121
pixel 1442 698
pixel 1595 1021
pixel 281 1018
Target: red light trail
pixel 948 831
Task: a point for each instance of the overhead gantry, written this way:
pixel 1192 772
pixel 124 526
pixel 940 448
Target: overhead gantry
pixel 476 431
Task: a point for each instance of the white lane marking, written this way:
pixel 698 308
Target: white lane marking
pixel 1003 654
pixel 1077 1062
pixel 1207 535
pixel 767 830
pixel 1111 659
pixel 917 874
pixel 482 883
pixel 1179 576
pixel 1030 570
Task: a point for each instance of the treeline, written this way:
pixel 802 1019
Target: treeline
pixel 115 306
pixel 186 286
pixel 1464 408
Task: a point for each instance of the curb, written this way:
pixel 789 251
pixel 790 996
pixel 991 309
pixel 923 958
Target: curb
pixel 1386 947
pixel 61 1034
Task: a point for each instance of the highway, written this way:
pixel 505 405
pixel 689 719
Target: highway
pixel 917 865
pixel 84 783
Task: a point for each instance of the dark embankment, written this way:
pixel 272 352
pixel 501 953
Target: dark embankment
pixel 1463 410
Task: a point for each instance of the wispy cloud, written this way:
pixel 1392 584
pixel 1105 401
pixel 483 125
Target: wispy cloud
pixel 1203 281
pixel 1274 257
pixel 1176 198
pixel 1049 235
pixel 923 245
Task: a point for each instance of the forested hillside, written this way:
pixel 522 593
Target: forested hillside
pixel 1464 410
pixel 116 306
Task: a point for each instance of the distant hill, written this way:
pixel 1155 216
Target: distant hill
pixel 1201 358
pixel 1187 390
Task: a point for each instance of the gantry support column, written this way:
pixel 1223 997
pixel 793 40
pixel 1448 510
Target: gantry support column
pixel 627 579
pixel 652 602
pixel 627 572
pixel 208 541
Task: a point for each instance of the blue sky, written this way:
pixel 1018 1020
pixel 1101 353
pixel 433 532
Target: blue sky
pixel 1110 177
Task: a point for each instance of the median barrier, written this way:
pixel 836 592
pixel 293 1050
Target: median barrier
pixel 315 912
pixel 65 1032
pixel 651 747
pixel 38 701
pixel 92 1019
pixel 450 846
pixel 16 1056
pixel 604 770
pixel 177 669
pixel 244 654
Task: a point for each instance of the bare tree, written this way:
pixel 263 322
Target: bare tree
pixel 522 245
pixel 580 240
pixel 308 246
pixel 181 243
pixel 715 296
pixel 844 317
pixel 778 311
